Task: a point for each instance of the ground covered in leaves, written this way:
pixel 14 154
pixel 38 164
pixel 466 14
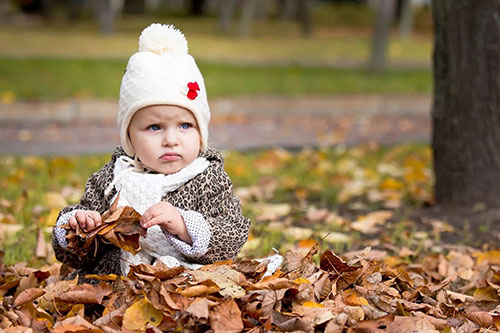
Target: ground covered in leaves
pixel 456 292
pixel 365 204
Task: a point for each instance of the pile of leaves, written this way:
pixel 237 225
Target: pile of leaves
pixel 456 292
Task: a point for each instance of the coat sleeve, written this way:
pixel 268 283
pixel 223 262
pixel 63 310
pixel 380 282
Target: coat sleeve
pixel 92 199
pixel 222 211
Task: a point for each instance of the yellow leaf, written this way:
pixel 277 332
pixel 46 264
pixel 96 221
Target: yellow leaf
pixel 354 300
pixel 301 280
pixel 312 304
pixel 307 243
pixel 7 97
pixel 109 277
pixel 490 257
pixel 391 184
pixel 139 314
pixel 486 294
pixel 52 217
pixel 77 309
pixel 55 200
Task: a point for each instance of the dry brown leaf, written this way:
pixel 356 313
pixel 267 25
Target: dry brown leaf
pixel 41 245
pixel 120 227
pixel 28 295
pixel 411 324
pixel 226 317
pixel 47 301
pixel 76 324
pixel 273 284
pixel 203 289
pixel 330 262
pixel 227 279
pixel 85 294
pixel 482 318
pixel 200 307
pixel 295 264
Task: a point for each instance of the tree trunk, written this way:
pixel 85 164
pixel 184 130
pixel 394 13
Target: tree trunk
pixel 227 9
pixel 385 14
pixel 288 9
pixel 197 7
pixel 406 19
pixel 466 110
pixel 305 16
pixel 247 17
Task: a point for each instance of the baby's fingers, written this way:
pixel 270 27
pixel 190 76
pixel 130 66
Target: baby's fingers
pixel 72 222
pixel 96 217
pixel 87 220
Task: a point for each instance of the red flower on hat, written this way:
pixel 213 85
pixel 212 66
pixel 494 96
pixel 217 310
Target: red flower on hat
pixel 193 88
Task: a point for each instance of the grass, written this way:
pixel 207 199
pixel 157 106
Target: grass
pixel 52 79
pixel 34 189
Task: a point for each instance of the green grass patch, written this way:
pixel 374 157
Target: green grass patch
pixel 51 79
pixel 34 189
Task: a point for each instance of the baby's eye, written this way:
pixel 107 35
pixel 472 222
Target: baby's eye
pixel 186 126
pixel 154 127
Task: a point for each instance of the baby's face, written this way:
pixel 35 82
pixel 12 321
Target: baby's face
pixel 165 137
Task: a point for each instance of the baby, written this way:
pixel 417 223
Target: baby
pixel 163 169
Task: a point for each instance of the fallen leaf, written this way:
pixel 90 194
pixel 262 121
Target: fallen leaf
pixel 76 324
pixel 85 294
pixel 28 295
pixel 330 262
pixel 203 289
pixel 226 317
pixel 139 314
pixel 228 280
pixel 489 258
pixel 200 307
pixel 41 245
pixel 486 294
pixel 368 224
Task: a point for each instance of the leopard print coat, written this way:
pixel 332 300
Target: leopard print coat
pixel 209 193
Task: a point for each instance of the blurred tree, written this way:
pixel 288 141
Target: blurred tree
pixel 288 9
pixel 405 18
pixel 247 16
pixel 383 20
pixel 300 10
pixel 305 16
pixel 197 7
pixel 134 6
pixel 106 11
pixel 466 110
pixel 226 14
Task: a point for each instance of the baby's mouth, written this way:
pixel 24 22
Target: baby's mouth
pixel 169 157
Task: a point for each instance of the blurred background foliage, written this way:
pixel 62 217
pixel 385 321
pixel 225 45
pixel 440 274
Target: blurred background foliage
pixel 69 49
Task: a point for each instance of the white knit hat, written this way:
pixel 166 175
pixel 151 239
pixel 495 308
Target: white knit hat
pixel 162 72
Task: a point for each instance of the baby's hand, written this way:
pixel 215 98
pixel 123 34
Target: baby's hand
pixel 168 217
pixel 87 219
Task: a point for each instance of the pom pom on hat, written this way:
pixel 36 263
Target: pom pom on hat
pixel 160 38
